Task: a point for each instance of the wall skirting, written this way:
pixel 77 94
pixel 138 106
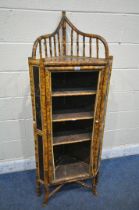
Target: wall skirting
pixel 17 165
pixel 120 151
pixel 28 164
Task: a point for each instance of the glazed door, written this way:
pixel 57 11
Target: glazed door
pixel 99 119
pixel 71 100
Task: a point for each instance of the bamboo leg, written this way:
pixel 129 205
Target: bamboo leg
pixel 38 188
pixel 84 185
pixel 46 195
pixel 94 184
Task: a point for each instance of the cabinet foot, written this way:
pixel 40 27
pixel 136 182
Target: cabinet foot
pixel 94 184
pixel 46 196
pixel 38 189
pixel 94 190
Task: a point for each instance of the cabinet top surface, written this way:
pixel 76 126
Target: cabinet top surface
pixel 72 61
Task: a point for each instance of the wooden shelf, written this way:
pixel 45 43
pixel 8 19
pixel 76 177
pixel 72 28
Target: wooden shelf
pixel 71 170
pixel 72 92
pixel 71 137
pixel 67 115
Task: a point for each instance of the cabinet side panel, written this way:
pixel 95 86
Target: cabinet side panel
pixel 36 77
pixel 40 152
pixel 34 121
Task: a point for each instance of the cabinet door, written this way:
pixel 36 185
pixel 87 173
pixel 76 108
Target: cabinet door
pixel 73 100
pixel 99 119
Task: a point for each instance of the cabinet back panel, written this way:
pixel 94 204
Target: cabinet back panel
pixel 68 80
pixel 73 102
pixel 83 125
pixel 71 153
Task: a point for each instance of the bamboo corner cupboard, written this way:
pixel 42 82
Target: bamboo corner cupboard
pixel 69 78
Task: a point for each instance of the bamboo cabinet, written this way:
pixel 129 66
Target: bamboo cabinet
pixel 69 78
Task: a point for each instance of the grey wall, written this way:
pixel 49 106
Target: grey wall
pixel 22 21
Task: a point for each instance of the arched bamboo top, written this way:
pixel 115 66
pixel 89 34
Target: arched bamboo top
pixel 77 44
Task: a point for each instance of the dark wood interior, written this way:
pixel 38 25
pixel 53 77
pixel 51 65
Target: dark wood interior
pixel 72 131
pixel 74 81
pixel 71 159
pixel 73 103
pixel 73 107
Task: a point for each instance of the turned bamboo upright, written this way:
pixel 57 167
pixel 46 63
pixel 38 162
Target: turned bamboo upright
pixel 69 79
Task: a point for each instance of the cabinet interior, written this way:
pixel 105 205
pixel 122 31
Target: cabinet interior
pixel 71 159
pixel 85 80
pixel 73 105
